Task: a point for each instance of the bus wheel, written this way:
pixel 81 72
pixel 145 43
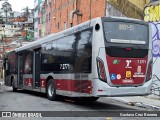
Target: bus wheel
pixel 92 99
pixel 13 86
pixel 51 92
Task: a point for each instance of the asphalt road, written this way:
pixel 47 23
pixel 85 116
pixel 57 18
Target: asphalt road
pixel 33 101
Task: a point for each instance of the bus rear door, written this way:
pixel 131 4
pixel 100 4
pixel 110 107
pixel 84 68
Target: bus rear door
pixel 37 64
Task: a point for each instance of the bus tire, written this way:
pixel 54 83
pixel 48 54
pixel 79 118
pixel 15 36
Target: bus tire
pixel 92 99
pixel 51 91
pixel 13 86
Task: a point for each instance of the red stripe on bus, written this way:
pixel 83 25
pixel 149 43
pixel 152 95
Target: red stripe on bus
pixel 82 86
pixel 43 83
pixel 28 82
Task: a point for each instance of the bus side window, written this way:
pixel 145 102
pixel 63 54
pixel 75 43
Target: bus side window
pixel 84 52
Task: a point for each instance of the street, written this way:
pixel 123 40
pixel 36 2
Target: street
pixel 33 101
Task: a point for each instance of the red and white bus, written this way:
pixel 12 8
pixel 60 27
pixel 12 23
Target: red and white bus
pixel 106 56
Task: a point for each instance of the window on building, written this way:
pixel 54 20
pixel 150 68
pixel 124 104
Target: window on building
pixel 50 5
pixel 49 16
pixel 46 18
pixel 65 25
pixel 71 24
pixel 58 25
pixel 39 33
pixel 39 21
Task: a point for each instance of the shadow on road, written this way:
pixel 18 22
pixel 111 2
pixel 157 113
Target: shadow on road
pixel 100 104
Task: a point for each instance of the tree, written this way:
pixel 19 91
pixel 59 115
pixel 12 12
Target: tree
pixel 6 10
pixel 1 20
pixel 26 12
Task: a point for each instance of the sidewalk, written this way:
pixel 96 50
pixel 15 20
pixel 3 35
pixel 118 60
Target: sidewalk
pixel 1 81
pixel 149 102
pixel 2 86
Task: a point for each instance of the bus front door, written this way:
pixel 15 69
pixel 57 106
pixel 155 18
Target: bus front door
pixel 37 64
pixel 20 70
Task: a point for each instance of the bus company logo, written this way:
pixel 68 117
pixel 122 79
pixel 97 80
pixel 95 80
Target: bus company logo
pixel 113 76
pixel 128 63
pixel 6 114
pixel 116 61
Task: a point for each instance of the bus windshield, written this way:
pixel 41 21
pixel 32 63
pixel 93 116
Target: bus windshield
pixel 125 32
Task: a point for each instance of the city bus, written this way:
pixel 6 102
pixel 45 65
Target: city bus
pixel 105 56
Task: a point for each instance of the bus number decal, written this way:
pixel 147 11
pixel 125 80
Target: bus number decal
pixel 142 61
pixel 64 66
pixel 126 27
pixel 128 63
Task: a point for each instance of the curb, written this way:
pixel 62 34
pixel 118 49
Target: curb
pixel 137 104
pixel 1 83
pixel 147 106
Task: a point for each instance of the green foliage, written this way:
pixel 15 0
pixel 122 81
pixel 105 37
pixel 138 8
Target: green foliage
pixel 26 12
pixel 6 10
pixel 29 36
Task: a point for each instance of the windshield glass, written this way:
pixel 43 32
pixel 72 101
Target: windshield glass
pixel 122 32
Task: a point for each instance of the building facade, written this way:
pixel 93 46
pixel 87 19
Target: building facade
pixel 39 30
pixel 48 11
pixel 43 20
pixel 52 16
pixel 36 19
pixel 68 13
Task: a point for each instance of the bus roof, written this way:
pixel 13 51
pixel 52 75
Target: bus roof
pixel 38 43
pixel 54 36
